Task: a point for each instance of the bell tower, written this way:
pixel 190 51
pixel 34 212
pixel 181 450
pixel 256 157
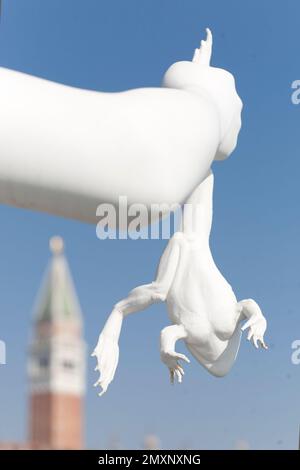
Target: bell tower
pixel 56 366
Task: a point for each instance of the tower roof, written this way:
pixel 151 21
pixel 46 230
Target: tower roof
pixel 57 300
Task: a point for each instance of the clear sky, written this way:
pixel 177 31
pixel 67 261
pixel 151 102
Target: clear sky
pixel 115 45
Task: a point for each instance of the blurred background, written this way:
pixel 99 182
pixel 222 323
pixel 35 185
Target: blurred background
pixel 116 45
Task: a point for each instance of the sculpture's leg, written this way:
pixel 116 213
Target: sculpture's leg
pixel 256 323
pixel 107 349
pixel 223 364
pixel 169 356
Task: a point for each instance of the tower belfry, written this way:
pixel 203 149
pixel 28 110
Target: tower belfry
pixel 57 360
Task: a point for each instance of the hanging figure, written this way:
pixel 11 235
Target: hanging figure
pixel 202 307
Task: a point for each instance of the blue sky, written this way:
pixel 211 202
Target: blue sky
pixel 117 45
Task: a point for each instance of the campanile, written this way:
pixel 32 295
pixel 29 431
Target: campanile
pixel 56 366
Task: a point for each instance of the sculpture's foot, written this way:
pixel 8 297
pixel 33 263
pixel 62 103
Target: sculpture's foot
pixel 169 356
pixel 256 323
pixel 171 359
pixel 107 354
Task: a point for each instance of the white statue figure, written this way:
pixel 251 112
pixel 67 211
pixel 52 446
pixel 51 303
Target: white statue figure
pixel 201 304
pixel 65 150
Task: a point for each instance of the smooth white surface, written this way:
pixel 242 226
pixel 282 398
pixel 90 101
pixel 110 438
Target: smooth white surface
pixel 65 150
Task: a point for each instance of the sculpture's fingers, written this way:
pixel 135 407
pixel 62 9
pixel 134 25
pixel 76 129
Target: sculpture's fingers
pixel 180 369
pixel 250 334
pixel 114 369
pixel 262 343
pixel 178 374
pixel 107 354
pixel 255 341
pixel 248 323
pixel 208 34
pixel 104 389
pixel 103 382
pixel 108 371
pixel 182 357
pixel 195 56
pixel 172 376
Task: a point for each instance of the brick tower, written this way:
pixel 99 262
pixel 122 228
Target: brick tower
pixel 57 361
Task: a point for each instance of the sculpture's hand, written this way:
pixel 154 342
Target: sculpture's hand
pixel 257 325
pixel 168 355
pixel 107 354
pixel 171 358
pixel 107 350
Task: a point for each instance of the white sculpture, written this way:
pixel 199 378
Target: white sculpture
pixel 201 304
pixel 66 150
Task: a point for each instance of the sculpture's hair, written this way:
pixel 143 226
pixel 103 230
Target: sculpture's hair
pixel 202 55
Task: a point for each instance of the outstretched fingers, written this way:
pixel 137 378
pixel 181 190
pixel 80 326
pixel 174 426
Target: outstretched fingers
pixel 182 357
pixel 107 354
pixel 258 341
pixel 256 322
pixel 248 323
pixel 171 359
pixel 177 372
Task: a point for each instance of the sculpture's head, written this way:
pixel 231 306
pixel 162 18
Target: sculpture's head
pixel 216 84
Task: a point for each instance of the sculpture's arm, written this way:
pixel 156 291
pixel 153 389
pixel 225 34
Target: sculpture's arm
pixel 198 209
pixel 107 349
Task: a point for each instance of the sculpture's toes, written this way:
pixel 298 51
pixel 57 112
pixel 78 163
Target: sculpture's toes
pixel 107 354
pixel 171 358
pixel 177 372
pixel 257 327
pixel 258 341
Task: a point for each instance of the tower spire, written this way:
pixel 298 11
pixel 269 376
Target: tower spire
pixel 56 245
pixel 57 359
pixel 57 301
